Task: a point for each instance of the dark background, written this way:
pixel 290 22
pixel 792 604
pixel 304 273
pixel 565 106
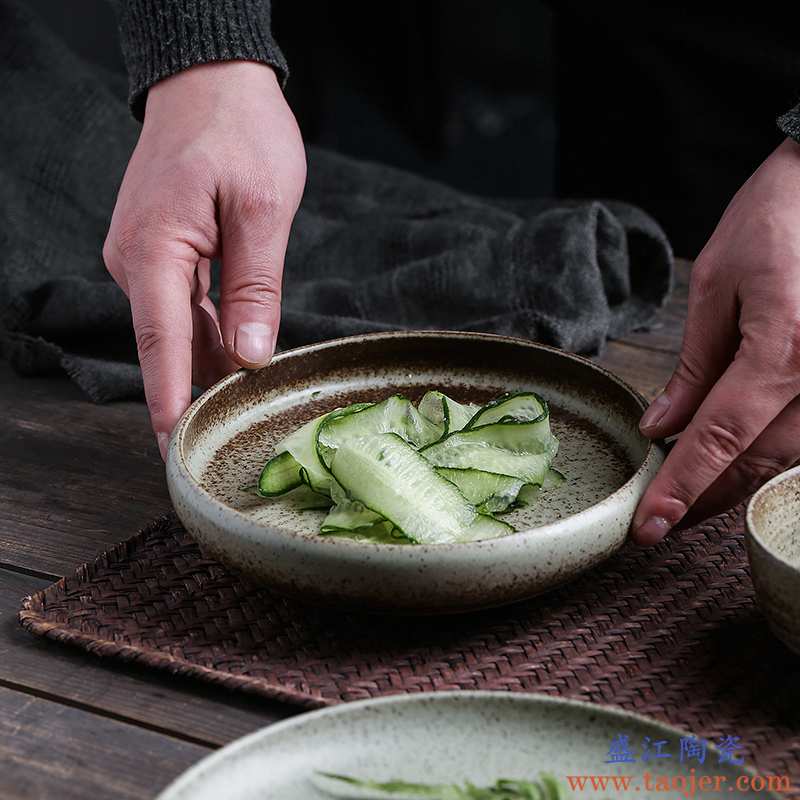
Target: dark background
pixel 659 104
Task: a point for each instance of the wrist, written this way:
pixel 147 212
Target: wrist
pixel 207 87
pixel 156 45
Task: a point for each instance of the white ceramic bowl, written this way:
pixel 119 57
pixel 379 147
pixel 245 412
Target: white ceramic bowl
pixel 773 546
pixel 228 434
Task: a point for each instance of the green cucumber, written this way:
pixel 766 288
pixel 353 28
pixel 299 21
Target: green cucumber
pixel 304 498
pixel 445 412
pixel 436 473
pixel 508 436
pixel 455 453
pixel 420 431
pixel 380 533
pixel 299 448
pixel 529 493
pixel 280 475
pixel 338 495
pixel 350 516
pixel 393 415
pixel 553 478
pixel 510 407
pixel 301 445
pixel 388 476
pixel 489 492
pixel 519 437
pixel 486 527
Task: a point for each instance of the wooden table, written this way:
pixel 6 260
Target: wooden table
pixel 74 479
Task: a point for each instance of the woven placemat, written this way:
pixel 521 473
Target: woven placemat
pixel 671 632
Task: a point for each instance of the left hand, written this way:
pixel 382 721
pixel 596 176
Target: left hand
pixel 734 393
pixel 218 171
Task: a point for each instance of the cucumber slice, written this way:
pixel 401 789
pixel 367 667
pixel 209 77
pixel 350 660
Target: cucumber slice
pixel 382 533
pixel 394 415
pixel 529 493
pixel 553 478
pixel 338 495
pixel 489 492
pixel 388 476
pixel 486 527
pixel 456 453
pixel 392 472
pixel 304 498
pixel 419 430
pixel 301 445
pixel 510 407
pixel 445 412
pixel 520 437
pixel 510 422
pixel 280 475
pixel 350 516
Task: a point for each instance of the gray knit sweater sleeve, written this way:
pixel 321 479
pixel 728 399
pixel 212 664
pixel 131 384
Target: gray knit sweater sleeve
pixel 162 37
pixel 789 123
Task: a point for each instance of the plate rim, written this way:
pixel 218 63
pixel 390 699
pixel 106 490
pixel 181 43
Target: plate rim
pixel 752 531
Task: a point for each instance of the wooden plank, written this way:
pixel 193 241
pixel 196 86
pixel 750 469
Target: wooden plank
pixel 52 750
pixel 74 476
pixel 645 370
pixel 666 331
pixel 189 709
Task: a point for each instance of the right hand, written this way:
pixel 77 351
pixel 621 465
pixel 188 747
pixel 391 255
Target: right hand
pixel 735 395
pixel 218 171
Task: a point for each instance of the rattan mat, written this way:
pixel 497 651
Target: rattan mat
pixel 671 632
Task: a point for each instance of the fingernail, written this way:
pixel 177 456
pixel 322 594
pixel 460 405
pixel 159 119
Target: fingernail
pixel 253 343
pixel 652 531
pixel 655 412
pixel 163 443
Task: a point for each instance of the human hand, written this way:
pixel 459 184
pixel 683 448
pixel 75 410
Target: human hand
pixel 218 171
pixel 735 391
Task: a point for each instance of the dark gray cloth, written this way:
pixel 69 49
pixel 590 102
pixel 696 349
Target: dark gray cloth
pixel 789 123
pixel 372 248
pixel 162 37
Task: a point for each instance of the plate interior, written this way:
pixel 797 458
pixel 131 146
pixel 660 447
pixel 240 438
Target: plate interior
pixel 593 418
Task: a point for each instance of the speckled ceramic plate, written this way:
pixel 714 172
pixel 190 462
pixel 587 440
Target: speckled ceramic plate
pixel 453 737
pixel 228 434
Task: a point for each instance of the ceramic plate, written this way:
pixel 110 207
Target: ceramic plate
pixel 453 737
pixel 229 433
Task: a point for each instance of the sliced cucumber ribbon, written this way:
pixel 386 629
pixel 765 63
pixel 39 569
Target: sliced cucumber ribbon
pixel 434 473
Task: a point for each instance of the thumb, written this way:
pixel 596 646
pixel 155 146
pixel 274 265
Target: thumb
pixel 254 239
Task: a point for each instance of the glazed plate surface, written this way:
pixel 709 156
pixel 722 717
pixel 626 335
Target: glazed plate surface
pixel 451 737
pixel 231 431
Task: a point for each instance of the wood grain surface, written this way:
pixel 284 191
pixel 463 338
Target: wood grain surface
pixel 74 479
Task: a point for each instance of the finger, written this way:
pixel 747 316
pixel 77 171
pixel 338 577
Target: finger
pixel 710 339
pixel 210 362
pixel 774 451
pixel 201 284
pixel 254 239
pixel 739 407
pixel 113 264
pixel 162 319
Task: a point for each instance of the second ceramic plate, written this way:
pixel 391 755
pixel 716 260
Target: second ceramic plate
pixel 453 737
